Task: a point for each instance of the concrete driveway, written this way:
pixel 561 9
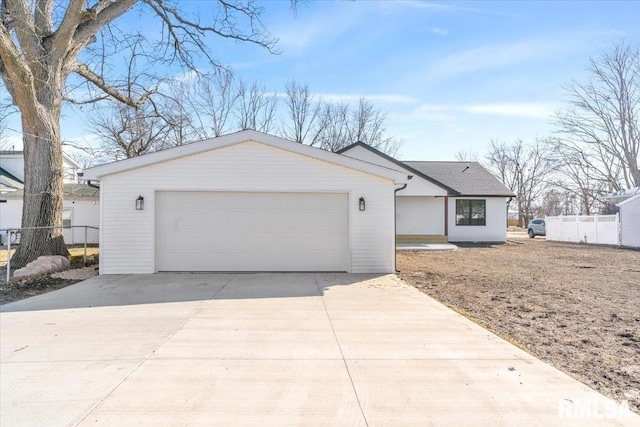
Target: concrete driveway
pixel 271 349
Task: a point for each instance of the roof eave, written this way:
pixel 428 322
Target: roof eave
pixel 97 172
pixel 449 190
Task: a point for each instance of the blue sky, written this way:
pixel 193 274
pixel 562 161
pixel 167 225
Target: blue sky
pixel 451 75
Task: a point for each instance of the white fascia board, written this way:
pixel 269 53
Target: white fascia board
pixel 630 199
pixel 97 172
pixel 66 158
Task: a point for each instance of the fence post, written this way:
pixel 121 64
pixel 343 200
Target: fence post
pixel 85 245
pixel 578 228
pixel 595 220
pixel 8 255
pixel 619 228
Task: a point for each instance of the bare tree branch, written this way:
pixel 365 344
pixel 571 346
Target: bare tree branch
pixel 85 72
pixel 301 112
pixel 603 118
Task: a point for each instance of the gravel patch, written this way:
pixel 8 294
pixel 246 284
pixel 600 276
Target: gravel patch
pixel 77 274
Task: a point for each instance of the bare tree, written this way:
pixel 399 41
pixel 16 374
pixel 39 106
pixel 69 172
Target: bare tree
pixel 338 125
pixel 332 131
pixel 254 108
pixel 526 169
pixel 177 107
pixel 466 156
pixel 578 176
pixel 128 132
pixel 4 137
pixel 301 112
pixel 43 42
pixel 216 100
pixel 601 125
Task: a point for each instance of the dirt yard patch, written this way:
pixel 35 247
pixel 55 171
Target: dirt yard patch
pixel 31 287
pixel 576 307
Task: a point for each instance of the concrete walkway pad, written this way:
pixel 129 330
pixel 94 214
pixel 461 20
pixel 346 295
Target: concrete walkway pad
pixel 271 349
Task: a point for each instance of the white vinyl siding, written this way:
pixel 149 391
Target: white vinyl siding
pixel 81 212
pixel 238 231
pixel 127 235
pixel 420 215
pixel 630 222
pixel 495 229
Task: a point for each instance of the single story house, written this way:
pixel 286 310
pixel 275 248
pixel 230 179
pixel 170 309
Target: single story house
pixel 448 201
pixel 80 203
pixel 247 201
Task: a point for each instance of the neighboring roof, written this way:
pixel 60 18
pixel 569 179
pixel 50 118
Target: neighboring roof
pixel 619 196
pixel 8 182
pixel 416 172
pixel 96 172
pixel 72 191
pixel 630 199
pixel 467 178
pixel 66 158
pixel 80 190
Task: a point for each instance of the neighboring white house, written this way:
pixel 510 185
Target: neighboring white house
pixel 628 201
pixel 454 201
pixel 246 202
pixel 80 204
pixel 630 221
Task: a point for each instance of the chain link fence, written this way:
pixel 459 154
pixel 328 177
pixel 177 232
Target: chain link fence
pixel 81 240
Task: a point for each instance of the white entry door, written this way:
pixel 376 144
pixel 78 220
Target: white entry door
pixel 242 231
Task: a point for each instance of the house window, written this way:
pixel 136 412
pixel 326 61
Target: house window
pixel 66 218
pixel 471 212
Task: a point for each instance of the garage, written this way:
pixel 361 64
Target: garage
pixel 251 231
pixel 246 202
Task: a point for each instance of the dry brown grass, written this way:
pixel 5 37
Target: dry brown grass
pixel 74 252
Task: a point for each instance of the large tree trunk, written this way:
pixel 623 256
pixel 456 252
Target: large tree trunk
pixel 43 193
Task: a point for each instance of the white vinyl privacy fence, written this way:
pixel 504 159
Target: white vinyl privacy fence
pixel 594 229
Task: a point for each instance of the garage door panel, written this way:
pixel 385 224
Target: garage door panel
pixel 223 231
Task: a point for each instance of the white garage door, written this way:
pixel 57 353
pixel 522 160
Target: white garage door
pixel 225 231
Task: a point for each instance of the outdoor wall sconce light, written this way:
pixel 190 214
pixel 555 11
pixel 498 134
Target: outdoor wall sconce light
pixel 140 203
pixel 362 205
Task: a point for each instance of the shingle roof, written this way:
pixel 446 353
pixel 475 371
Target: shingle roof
pixel 70 191
pixel 467 178
pixel 8 182
pixel 403 165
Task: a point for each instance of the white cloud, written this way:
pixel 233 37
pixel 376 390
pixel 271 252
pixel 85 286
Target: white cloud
pixel 487 57
pixel 504 55
pixel 301 35
pixel 378 99
pixel 529 110
pixel 446 7
pixel 447 112
pixel 439 31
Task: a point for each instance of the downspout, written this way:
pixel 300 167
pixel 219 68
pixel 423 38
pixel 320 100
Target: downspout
pixel 508 204
pixel 395 226
pixel 89 183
